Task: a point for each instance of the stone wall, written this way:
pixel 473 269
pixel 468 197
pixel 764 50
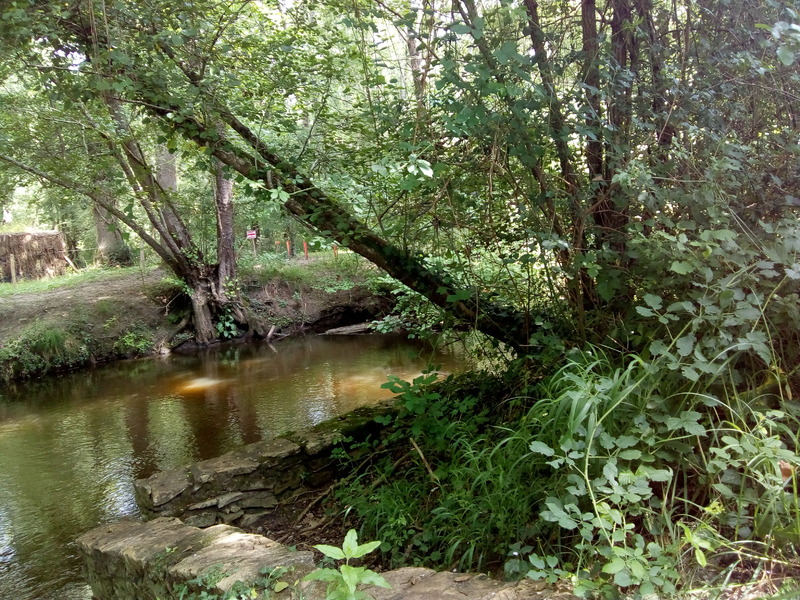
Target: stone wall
pixel 241 487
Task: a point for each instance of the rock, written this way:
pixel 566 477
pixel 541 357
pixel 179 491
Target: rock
pixel 204 519
pixel 248 520
pixel 229 498
pixel 259 500
pixel 260 474
pixel 145 561
pixel 162 487
pixel 222 468
pixel 277 448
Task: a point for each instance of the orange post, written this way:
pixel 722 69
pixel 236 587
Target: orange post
pixel 335 251
pixel 288 248
pixel 305 248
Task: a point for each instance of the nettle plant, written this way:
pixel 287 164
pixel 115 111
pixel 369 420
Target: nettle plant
pixel 648 478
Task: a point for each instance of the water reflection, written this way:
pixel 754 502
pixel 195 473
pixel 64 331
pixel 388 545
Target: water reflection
pixel 71 446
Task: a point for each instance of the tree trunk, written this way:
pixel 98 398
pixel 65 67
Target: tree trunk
pixel 223 197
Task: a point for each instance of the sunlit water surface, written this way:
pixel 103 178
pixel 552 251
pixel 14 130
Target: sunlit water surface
pixel 71 446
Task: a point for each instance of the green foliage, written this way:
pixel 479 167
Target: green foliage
pixel 226 325
pixel 43 347
pixel 134 342
pixel 412 312
pixel 343 583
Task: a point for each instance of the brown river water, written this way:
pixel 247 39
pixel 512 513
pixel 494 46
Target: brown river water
pixel 71 446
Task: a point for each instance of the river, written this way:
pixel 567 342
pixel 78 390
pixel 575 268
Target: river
pixel 71 446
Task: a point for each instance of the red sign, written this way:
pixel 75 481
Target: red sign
pixel 252 234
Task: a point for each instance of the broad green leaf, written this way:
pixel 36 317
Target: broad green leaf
pixel 685 344
pixel 365 549
pixel 331 551
pixel 631 454
pixel 653 301
pixel 351 576
pixel 372 578
pixel 350 544
pixel 615 565
pixel 323 575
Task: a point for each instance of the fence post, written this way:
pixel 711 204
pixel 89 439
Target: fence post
pixel 13 269
pixel 305 248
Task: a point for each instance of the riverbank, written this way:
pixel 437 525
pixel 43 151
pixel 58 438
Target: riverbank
pixel 98 316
